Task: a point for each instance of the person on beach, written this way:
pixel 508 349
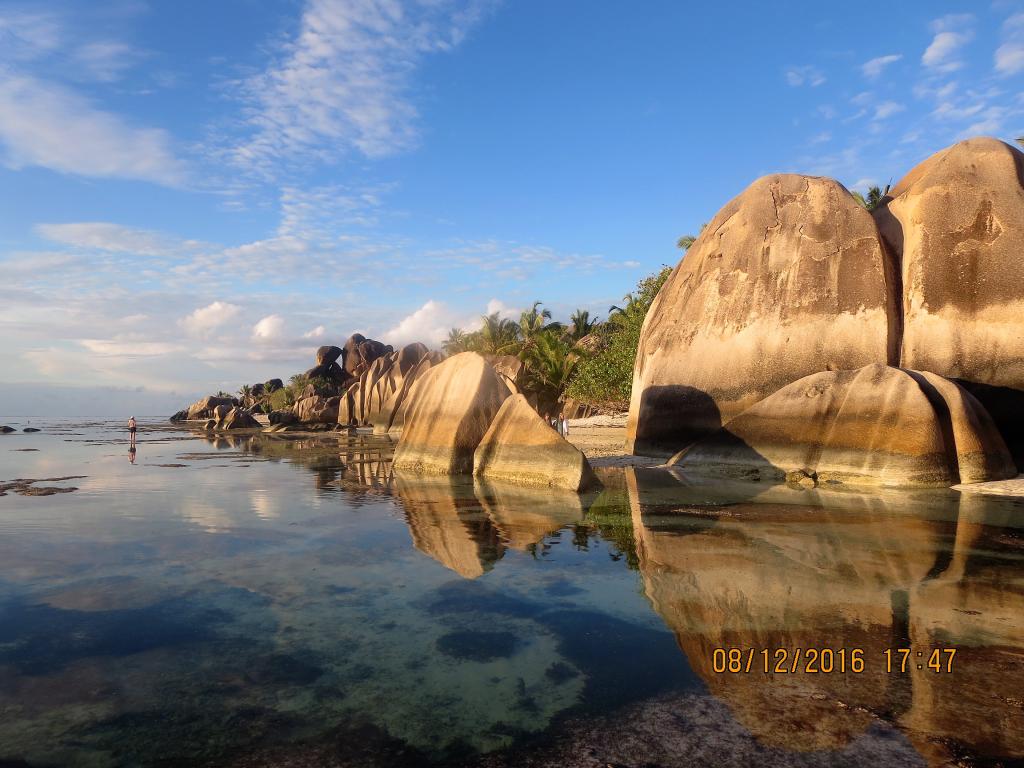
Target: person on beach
pixel 131 429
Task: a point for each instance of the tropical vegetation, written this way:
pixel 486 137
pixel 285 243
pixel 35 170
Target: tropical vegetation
pixel 586 359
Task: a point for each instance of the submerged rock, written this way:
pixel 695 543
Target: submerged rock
pixel 874 426
pixel 788 279
pixel 453 407
pixel 521 447
pixel 6 430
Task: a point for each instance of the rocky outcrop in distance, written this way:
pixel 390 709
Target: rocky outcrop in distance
pixel 794 278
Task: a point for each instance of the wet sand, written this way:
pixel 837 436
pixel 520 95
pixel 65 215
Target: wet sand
pixel 602 439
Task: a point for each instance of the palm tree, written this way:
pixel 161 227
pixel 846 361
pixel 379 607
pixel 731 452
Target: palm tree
pixel 875 197
pixel 582 325
pixel 498 336
pixel 532 321
pixel 550 363
pixel 458 341
pixel 245 393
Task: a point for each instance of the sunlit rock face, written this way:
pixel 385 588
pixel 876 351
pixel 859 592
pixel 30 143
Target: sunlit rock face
pixel 793 278
pixel 875 426
pixel 521 447
pixel 956 222
pixel 788 279
pixel 831 568
pixel 454 404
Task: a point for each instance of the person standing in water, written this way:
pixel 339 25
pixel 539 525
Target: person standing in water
pixel 131 429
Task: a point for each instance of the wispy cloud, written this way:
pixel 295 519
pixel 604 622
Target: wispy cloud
pixel 47 125
pixel 1009 57
pixel 876 66
pixel 952 32
pixel 105 236
pixel 804 75
pixel 344 83
pixel 887 109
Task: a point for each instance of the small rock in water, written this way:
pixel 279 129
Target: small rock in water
pixel 30 429
pixel 5 430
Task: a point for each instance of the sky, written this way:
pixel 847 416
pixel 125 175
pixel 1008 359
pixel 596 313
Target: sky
pixel 196 195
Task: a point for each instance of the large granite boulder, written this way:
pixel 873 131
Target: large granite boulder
pixel 351 356
pixel 237 418
pixel 957 223
pixel 788 279
pixel 317 409
pixel 451 409
pixel 521 447
pixel 874 426
pixel 203 409
pixel 328 354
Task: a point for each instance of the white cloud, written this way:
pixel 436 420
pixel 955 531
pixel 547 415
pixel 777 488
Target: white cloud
pixel 887 109
pixel 270 328
pixel 952 33
pixel 102 60
pixel 344 82
pixel 129 348
pixel 805 75
pixel 429 324
pixel 874 67
pixel 1009 57
pixel 432 321
pixel 316 333
pixel 45 124
pixel 105 236
pixel 205 319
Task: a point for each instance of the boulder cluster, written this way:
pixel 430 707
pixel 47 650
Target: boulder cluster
pixel 461 417
pixel 804 333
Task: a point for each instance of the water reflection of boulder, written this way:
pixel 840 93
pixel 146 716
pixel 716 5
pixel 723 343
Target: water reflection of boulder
pixel 525 515
pixel 976 606
pixel 447 523
pixel 870 572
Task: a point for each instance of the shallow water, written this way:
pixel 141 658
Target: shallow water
pixel 285 600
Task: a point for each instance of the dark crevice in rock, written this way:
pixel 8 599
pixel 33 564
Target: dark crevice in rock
pixel 890 236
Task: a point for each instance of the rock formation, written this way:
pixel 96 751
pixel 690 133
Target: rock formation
pixel 956 223
pixel 787 280
pixel 876 426
pixel 794 278
pixel 317 409
pixel 203 409
pixel 453 407
pixel 225 418
pixel 521 447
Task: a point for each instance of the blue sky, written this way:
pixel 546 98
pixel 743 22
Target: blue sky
pixel 194 195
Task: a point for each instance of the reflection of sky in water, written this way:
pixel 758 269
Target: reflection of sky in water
pixel 262 596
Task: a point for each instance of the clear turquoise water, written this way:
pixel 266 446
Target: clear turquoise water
pixel 261 601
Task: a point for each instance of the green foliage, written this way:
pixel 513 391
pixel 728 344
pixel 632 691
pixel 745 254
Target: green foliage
pixel 458 341
pixel 550 361
pixel 684 242
pixel 496 336
pixel 874 198
pixel 606 378
pixel 284 398
pixel 580 324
